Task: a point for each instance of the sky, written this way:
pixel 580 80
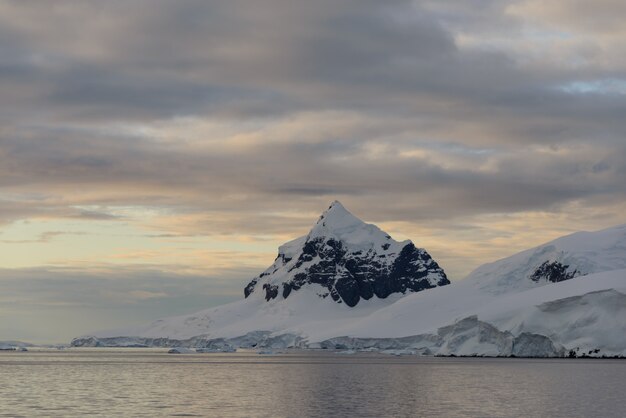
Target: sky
pixel 154 154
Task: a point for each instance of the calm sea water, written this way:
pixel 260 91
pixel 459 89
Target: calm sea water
pixel 151 383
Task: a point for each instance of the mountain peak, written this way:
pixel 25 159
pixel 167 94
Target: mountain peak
pixel 336 209
pixel 336 203
pixel 350 260
pixel 337 217
pixel 339 224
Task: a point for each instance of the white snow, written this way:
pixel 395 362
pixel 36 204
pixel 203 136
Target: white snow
pixel 337 222
pixel 302 311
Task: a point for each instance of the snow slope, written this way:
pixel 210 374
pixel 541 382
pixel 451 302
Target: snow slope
pixel 588 312
pixel 298 313
pixel 503 308
pixel 579 254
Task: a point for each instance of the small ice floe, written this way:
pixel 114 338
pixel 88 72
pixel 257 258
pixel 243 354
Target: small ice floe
pixel 21 349
pixel 399 352
pixel 180 350
pixel 227 349
pixel 266 352
pixel 347 352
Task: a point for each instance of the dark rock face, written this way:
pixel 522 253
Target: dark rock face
pixel 553 272
pixel 250 287
pixel 270 291
pixel 352 276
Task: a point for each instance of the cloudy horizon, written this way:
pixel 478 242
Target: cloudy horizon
pixel 154 154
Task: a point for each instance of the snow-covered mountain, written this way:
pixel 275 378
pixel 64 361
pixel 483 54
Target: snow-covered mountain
pixel 566 297
pixel 574 255
pixel 350 260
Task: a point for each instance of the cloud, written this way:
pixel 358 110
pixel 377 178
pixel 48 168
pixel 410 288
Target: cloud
pixel 43 237
pixel 36 299
pixel 239 121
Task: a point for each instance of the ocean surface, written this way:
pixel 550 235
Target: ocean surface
pixel 138 382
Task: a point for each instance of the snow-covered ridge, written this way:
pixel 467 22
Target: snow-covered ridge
pixel 574 255
pixel 350 259
pixel 564 298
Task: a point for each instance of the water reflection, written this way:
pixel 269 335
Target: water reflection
pixel 149 383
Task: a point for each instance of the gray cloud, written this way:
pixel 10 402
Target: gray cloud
pixel 138 171
pixel 194 58
pixel 227 116
pixel 55 305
